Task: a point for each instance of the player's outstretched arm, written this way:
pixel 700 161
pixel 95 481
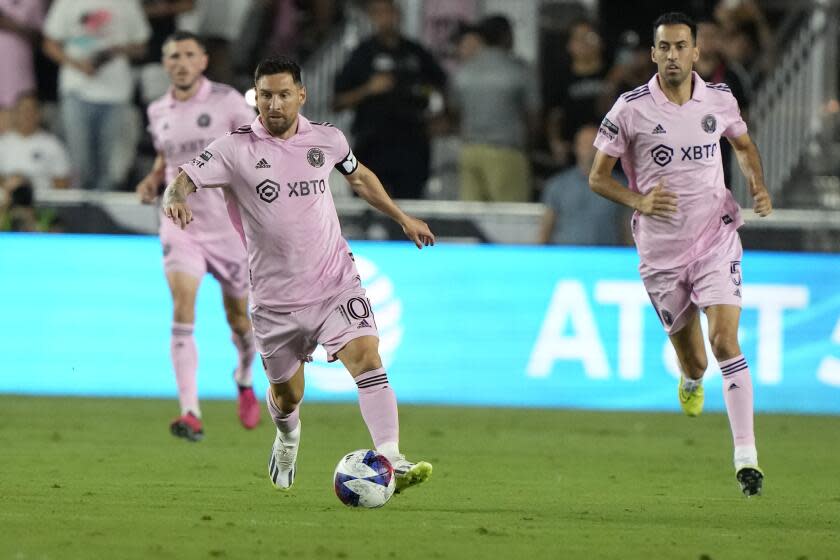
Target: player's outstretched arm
pixel 749 160
pixel 175 200
pixel 368 186
pixel 657 202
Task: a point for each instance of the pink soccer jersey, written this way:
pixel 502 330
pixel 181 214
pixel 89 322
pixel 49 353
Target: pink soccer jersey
pixel 658 140
pixel 181 130
pixel 280 201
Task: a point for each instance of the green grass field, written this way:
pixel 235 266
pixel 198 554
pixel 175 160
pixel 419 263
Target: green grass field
pixel 91 478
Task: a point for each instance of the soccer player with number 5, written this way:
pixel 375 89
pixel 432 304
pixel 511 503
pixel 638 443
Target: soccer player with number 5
pixel 667 134
pixel 304 284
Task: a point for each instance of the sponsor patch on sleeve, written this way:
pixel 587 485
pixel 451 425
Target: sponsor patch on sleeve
pixel 201 159
pixel 608 129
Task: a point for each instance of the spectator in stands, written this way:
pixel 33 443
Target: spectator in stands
pixel 389 80
pixel 749 40
pixel 20 28
pixel 5 121
pixel 163 21
pixel 467 40
pixel 297 28
pixel 18 211
pixel 162 16
pixel 573 216
pixel 496 97
pixel 631 69
pixel 31 154
pixel 219 23
pixel 583 83
pixel 714 67
pixel 92 41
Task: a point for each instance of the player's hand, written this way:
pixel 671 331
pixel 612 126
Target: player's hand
pixel 83 66
pixel 381 82
pixel 658 202
pixel 761 202
pixel 418 231
pixel 178 212
pixel 147 190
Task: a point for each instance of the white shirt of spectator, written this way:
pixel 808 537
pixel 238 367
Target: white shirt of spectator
pixel 86 27
pixel 40 157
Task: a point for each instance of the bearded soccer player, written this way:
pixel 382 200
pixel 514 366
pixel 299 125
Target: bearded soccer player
pixel 667 134
pixel 304 284
pixel 193 113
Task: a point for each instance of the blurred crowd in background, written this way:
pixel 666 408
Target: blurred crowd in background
pixel 77 76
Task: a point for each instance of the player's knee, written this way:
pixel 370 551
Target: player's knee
pixel 724 345
pixel 366 359
pixel 370 358
pixel 183 306
pixel 182 313
pixel 286 396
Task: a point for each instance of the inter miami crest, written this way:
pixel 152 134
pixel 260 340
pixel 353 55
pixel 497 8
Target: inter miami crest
pixel 709 123
pixel 203 120
pixel 315 157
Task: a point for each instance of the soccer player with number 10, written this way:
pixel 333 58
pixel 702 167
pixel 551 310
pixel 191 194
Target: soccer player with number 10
pixel 304 284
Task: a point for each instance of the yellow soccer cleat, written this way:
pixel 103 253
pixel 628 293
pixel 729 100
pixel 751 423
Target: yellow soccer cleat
pixel 691 401
pixel 410 474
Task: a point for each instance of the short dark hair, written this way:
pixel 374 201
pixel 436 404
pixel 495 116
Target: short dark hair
pixel 496 31
pixel 184 36
pixel 278 65
pixel 463 28
pixel 675 18
pixel 23 195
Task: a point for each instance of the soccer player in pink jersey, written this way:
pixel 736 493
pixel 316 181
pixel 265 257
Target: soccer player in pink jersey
pixel 193 113
pixel 304 284
pixel 667 134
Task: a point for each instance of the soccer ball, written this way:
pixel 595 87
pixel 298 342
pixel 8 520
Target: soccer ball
pixel 364 478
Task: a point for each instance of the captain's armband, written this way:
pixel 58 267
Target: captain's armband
pixel 348 165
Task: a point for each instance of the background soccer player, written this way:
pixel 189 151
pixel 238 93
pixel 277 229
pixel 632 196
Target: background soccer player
pixel 667 134
pixel 305 286
pixel 193 113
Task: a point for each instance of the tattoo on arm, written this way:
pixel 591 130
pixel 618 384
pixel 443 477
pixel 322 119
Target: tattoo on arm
pixel 179 189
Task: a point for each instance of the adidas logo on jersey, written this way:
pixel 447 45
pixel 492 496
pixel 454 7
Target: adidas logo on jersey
pixel 658 129
pixel 262 164
pixel 363 324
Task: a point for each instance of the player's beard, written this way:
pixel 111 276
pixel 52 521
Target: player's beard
pixel 186 86
pixel 280 128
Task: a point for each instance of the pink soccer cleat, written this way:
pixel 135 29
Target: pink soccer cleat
pixel 188 427
pixel 248 408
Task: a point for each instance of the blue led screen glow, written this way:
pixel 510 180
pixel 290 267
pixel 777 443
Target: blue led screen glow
pixel 459 324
